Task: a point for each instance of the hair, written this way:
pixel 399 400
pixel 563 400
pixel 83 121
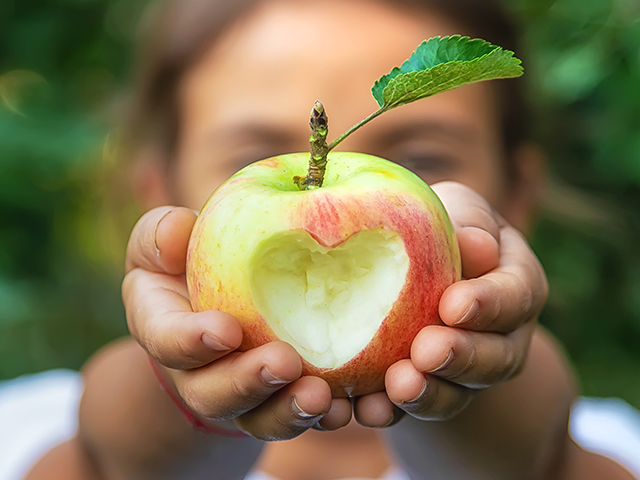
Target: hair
pixel 177 32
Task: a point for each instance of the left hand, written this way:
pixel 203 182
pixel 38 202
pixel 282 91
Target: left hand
pixel 489 318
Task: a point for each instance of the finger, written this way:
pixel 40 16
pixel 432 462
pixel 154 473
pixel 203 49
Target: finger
pixel 503 299
pixel 376 411
pixel 238 382
pixel 159 240
pixel 160 318
pixel 424 397
pixel 477 227
pixel 471 359
pixel 290 412
pixel 339 415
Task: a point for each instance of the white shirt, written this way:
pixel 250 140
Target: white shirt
pixel 39 411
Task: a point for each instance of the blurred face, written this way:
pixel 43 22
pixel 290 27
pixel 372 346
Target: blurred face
pixel 250 95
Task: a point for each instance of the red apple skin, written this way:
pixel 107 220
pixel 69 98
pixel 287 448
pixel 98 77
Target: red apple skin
pixel 390 198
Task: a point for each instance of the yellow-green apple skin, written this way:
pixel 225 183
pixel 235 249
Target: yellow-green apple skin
pixel 259 217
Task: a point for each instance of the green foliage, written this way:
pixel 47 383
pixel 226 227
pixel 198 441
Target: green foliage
pixel 444 63
pixel 61 64
pixel 584 72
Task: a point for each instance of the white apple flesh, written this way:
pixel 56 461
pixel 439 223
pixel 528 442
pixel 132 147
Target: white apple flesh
pixel 348 273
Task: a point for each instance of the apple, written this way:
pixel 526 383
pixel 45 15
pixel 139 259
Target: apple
pixel 348 262
pixel 347 274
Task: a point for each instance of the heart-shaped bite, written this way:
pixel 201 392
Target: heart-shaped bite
pixel 328 303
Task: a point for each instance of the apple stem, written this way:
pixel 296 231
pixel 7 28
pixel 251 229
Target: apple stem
pixel 318 123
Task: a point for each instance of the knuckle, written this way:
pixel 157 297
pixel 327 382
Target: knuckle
pixel 448 402
pixel 505 367
pixel 518 362
pixel 148 343
pixel 182 352
pixel 526 300
pixel 150 340
pixel 265 431
pixel 494 304
pixel 426 406
pixel 240 390
pixel 279 433
pixel 209 403
pixel 514 304
pixel 465 369
pixel 502 364
pixel 197 403
pixel 286 427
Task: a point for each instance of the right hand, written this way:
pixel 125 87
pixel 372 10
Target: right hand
pixel 260 390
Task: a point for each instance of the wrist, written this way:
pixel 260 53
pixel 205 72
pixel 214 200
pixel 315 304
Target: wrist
pixel 199 424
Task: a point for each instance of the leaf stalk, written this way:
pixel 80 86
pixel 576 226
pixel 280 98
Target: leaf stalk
pixel 361 123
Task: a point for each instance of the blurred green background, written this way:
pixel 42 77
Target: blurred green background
pixel 64 214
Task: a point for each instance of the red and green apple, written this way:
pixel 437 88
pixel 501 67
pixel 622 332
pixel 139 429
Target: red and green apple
pixel 347 274
pixel 348 262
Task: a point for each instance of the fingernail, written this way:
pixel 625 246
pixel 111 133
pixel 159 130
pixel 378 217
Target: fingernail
pixel 471 314
pixel 444 364
pixel 298 412
pixel 213 343
pixel 155 232
pixel 270 379
pixel 420 396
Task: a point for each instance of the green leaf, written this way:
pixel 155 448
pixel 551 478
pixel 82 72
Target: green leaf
pixel 443 63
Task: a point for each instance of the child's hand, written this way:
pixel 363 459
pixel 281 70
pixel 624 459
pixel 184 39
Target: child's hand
pixel 493 313
pixel 260 390
pixel 501 298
